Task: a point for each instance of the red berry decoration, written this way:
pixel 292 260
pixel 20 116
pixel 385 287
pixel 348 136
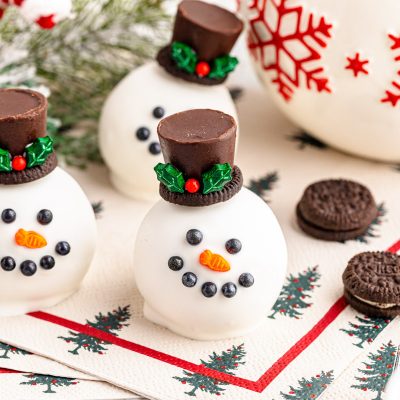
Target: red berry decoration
pixel 192 185
pixel 46 22
pixel 202 69
pixel 18 163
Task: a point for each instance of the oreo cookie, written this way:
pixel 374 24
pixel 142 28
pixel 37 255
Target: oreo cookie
pixel 203 200
pixel 336 210
pixel 372 284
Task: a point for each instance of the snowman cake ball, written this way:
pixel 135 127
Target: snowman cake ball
pixel 47 226
pixel 210 257
pixel 189 74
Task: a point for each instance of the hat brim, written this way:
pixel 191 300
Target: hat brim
pixel 165 61
pixel 203 200
pixel 29 174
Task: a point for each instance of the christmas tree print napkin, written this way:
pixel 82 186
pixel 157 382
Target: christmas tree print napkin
pixel 14 358
pixel 368 375
pixel 308 340
pixel 16 385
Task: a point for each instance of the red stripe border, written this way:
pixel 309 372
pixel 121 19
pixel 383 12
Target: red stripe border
pixel 257 386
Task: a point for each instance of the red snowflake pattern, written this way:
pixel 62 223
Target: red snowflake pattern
pixel 393 95
pixel 357 65
pixel 286 40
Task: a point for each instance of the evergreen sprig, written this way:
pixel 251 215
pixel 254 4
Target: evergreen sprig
pixel 82 59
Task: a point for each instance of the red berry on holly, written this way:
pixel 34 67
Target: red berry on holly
pixel 183 382
pixel 46 22
pixel 192 185
pixel 18 163
pixel 202 69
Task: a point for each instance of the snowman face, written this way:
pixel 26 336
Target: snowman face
pixel 214 262
pixel 47 240
pixel 32 240
pixel 128 125
pixel 210 272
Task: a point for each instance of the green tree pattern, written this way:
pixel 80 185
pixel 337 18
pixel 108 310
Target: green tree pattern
pixel 228 362
pixel 305 140
pixel 366 329
pixel 49 381
pixel 264 185
pixel 110 323
pixel 295 292
pixel 310 388
pixel 377 371
pixel 7 349
pixel 371 232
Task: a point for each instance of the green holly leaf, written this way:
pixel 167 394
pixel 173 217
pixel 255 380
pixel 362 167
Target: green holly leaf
pixel 216 178
pixel 5 161
pixel 38 151
pixel 222 66
pixel 171 177
pixel 184 56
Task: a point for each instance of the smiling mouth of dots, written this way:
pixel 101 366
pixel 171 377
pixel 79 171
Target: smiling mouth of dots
pixel 32 240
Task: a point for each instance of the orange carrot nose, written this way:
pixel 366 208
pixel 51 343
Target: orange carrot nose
pixel 30 239
pixel 214 261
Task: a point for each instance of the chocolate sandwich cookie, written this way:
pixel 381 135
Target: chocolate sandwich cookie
pixel 372 284
pixel 336 210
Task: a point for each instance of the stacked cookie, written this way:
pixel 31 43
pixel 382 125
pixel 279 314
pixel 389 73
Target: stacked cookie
pixel 372 284
pixel 336 210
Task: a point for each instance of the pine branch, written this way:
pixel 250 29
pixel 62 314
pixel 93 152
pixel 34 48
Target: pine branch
pixel 82 59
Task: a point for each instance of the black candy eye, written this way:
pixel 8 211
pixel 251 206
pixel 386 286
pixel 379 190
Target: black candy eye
pixel 233 246
pixel 194 237
pixel 143 133
pixel 155 148
pixel 44 217
pixel 8 215
pixel 63 248
pixel 158 112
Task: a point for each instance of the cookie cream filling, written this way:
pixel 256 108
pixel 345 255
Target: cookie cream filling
pixel 378 305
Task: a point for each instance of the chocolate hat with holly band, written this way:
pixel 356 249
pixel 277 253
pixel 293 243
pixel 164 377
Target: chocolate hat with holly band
pixel 198 148
pixel 203 37
pixel 26 152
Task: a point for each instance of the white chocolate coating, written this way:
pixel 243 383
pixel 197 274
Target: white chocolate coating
pixel 73 222
pixel 352 118
pixel 130 106
pixel 187 311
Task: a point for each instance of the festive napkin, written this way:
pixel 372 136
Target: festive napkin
pixel 14 358
pixel 367 376
pixel 16 385
pixel 309 336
